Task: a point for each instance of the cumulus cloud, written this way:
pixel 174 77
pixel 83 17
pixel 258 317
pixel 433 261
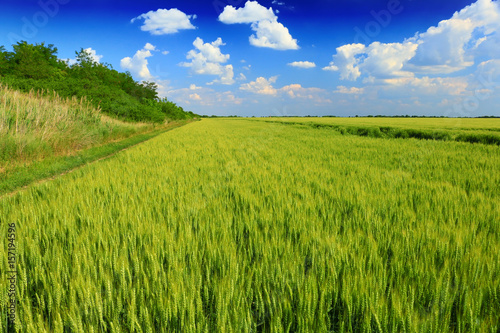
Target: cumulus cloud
pixel 138 67
pixel 165 21
pixel 195 97
pixel 204 96
pixel 377 60
pixel 349 91
pixel 261 86
pixel 138 64
pixel 252 12
pixel 346 61
pixel 441 49
pixel 387 60
pixel 273 35
pixel 297 91
pixel 488 73
pixel 207 59
pixel 149 47
pixel 302 64
pixel 453 45
pixel 264 22
pixel 413 86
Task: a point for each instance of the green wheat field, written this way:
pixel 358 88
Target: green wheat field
pixel 268 225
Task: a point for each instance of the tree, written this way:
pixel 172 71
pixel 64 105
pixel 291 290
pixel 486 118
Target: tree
pixel 3 60
pixel 35 61
pixel 85 59
pixel 149 90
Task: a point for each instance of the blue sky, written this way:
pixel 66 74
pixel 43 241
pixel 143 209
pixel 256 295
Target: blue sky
pixel 285 57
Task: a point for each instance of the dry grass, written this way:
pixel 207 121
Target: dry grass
pixel 34 126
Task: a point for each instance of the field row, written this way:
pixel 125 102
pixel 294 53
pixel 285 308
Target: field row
pixel 484 131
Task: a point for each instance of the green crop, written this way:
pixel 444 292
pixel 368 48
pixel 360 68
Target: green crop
pixel 484 131
pixel 246 226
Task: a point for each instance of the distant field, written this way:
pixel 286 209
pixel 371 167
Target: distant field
pixel 490 124
pixel 485 131
pixel 247 226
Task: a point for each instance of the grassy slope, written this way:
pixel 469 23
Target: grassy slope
pixel 42 136
pixel 33 126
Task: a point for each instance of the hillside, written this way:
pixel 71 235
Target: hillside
pixel 37 67
pixel 34 126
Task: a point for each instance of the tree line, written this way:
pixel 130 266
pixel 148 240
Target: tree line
pixel 37 66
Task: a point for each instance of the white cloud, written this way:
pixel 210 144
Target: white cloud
pixel 195 97
pixel 228 98
pixel 297 91
pixel 453 45
pixel 251 13
pixel 203 97
pixel 412 86
pixel 261 86
pixel 207 59
pixel 488 73
pixel 268 31
pixel 165 21
pixel 441 49
pixel 273 35
pixel 346 61
pixel 331 67
pixel 349 91
pixel 138 64
pixel 380 60
pixel 209 51
pixel 138 67
pixel 302 64
pixel 387 60
pixel 149 47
